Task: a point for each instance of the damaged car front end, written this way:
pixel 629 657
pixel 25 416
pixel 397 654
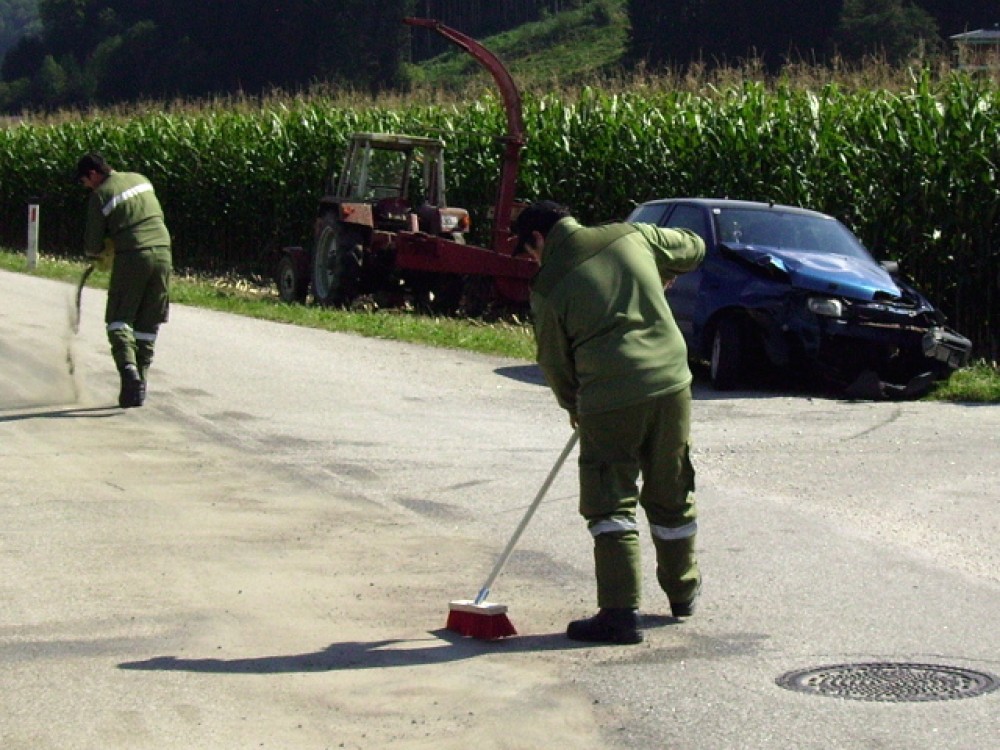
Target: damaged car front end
pixel 788 290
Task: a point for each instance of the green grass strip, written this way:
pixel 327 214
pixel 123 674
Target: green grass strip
pixel 977 383
pixel 259 299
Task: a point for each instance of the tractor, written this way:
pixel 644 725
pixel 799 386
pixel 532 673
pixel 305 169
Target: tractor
pixel 390 184
pixel 384 233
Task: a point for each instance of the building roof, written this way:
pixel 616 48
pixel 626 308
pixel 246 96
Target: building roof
pixel 980 35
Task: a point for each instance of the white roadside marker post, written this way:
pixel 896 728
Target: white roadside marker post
pixel 32 236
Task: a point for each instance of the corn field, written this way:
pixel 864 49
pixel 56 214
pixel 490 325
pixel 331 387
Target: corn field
pixel 915 173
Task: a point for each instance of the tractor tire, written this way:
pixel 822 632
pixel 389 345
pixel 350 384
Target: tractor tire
pixel 434 293
pixel 293 285
pixel 446 294
pixel 336 267
pixel 478 296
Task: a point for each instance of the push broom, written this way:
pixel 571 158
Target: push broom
pixel 479 618
pixel 79 296
pixel 75 325
pixel 104 261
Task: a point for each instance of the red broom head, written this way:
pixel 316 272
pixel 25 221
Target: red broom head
pixel 484 621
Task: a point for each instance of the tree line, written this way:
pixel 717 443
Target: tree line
pixel 774 32
pixel 18 18
pixel 93 51
pixel 107 51
pixel 84 52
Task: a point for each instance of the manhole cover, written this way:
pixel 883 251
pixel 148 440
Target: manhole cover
pixel 890 682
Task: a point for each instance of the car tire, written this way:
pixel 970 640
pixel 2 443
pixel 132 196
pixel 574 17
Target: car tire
pixel 727 360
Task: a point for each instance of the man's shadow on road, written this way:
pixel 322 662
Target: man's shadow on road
pixel 443 646
pixel 89 412
pixel 531 374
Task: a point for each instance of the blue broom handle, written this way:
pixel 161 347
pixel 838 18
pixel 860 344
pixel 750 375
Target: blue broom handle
pixel 505 555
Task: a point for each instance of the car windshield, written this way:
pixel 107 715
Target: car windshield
pixel 786 231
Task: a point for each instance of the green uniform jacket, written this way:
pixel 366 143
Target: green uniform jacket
pixel 124 207
pixel 605 334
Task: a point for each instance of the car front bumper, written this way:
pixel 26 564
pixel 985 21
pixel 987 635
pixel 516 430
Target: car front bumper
pixel 840 349
pixel 948 346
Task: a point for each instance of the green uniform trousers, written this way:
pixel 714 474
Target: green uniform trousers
pixel 138 302
pixel 651 440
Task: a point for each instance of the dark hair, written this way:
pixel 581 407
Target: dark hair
pixel 92 162
pixel 538 217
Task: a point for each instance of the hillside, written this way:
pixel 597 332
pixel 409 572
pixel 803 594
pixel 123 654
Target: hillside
pixel 569 47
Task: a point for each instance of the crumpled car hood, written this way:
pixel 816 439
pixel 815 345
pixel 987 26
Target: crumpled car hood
pixel 840 275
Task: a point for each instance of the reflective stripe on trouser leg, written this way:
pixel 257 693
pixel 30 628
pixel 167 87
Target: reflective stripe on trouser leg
pixel 145 343
pixel 122 341
pixel 676 562
pixel 138 299
pixel 668 497
pixel 651 439
pixel 608 498
pixel 618 567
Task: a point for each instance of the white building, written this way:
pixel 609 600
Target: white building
pixel 978 50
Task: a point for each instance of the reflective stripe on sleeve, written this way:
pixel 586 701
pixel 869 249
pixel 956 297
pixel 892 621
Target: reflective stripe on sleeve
pixel 117 200
pixel 686 531
pixel 613 526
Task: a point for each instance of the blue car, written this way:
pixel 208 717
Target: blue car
pixel 792 291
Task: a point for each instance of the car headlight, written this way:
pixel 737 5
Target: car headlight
pixel 831 308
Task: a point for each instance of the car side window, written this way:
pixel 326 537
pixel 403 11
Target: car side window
pixel 689 217
pixel 650 213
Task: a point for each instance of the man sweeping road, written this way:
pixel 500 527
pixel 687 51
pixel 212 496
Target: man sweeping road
pixel 123 208
pixel 616 361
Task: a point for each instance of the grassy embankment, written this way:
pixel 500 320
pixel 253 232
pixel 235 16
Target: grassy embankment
pixel 979 383
pixel 259 299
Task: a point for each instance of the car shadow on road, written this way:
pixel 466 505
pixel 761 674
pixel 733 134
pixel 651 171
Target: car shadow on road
pixel 440 647
pixel 701 388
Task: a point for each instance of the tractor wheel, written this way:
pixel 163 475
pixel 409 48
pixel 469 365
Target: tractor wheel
pixel 336 266
pixel 478 296
pixel 293 285
pixel 435 293
pixel 727 361
pixel 446 293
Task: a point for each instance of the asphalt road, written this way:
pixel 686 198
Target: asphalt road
pixel 262 556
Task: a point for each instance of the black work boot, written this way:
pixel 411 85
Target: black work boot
pixel 133 390
pixel 686 609
pixel 609 625
pixel 683 609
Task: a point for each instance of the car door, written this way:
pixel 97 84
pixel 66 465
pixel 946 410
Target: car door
pixel 683 293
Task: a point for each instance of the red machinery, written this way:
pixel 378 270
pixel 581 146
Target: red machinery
pixel 385 231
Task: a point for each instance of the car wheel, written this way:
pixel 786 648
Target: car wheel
pixel 727 359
